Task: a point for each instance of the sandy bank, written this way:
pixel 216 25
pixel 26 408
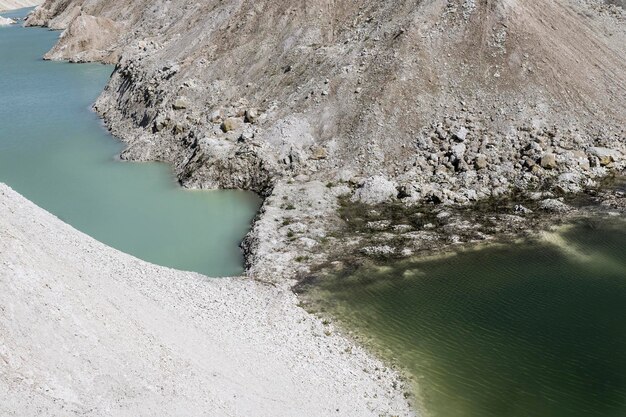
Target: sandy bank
pixel 18 4
pixel 87 330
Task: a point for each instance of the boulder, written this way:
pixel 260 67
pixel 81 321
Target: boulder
pixel 180 103
pixel 577 159
pixel 458 150
pixel 378 225
pixel 376 190
pixel 570 182
pixel 247 135
pixel 548 161
pixel 461 134
pixel 251 116
pixel 230 124
pixel 319 152
pixel 606 156
pixel 554 205
pixel 480 162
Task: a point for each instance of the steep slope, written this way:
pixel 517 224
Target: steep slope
pixel 427 101
pixel 18 4
pixel 86 330
pixel 376 88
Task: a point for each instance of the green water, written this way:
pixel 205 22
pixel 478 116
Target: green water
pixel 527 330
pixel 54 151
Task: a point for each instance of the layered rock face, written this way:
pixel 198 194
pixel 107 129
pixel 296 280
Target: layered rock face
pixel 444 101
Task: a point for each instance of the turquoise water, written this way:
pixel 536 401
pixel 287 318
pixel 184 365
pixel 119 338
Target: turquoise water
pixel 54 151
pixel 535 329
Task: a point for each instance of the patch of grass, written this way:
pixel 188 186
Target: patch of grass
pixel 357 215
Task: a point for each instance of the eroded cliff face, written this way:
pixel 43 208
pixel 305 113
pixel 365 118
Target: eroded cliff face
pixel 446 101
pixel 432 94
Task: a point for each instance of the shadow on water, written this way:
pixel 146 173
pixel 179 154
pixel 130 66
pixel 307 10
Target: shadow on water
pixel 523 330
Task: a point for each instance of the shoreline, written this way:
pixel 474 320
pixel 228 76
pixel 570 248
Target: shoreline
pixel 296 228
pixel 199 340
pixel 300 202
pixel 334 296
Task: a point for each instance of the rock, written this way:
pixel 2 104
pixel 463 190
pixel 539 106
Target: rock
pixel 383 250
pixel 402 228
pixel 554 206
pixel 179 128
pixel 378 225
pixel 180 103
pixel 251 116
pixel 569 182
pixel 376 190
pixel 535 196
pixel 160 122
pixel 569 177
pixel 522 210
pixel 230 124
pixel 548 161
pixel 461 134
pixel 480 162
pixel 471 195
pixel 246 136
pixel 319 152
pixel 216 116
pixel 606 156
pixel 6 21
pixel 577 159
pixel 458 150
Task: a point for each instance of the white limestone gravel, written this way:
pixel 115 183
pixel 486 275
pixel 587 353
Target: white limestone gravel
pixel 87 330
pixel 18 4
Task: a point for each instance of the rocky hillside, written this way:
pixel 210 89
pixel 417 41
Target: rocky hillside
pixel 445 101
pixel 468 95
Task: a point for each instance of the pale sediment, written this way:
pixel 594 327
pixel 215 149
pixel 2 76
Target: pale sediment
pixel 18 4
pixel 87 330
pixel 4 21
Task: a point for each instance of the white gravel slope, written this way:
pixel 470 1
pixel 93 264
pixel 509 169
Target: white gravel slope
pixel 18 4
pixel 87 330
